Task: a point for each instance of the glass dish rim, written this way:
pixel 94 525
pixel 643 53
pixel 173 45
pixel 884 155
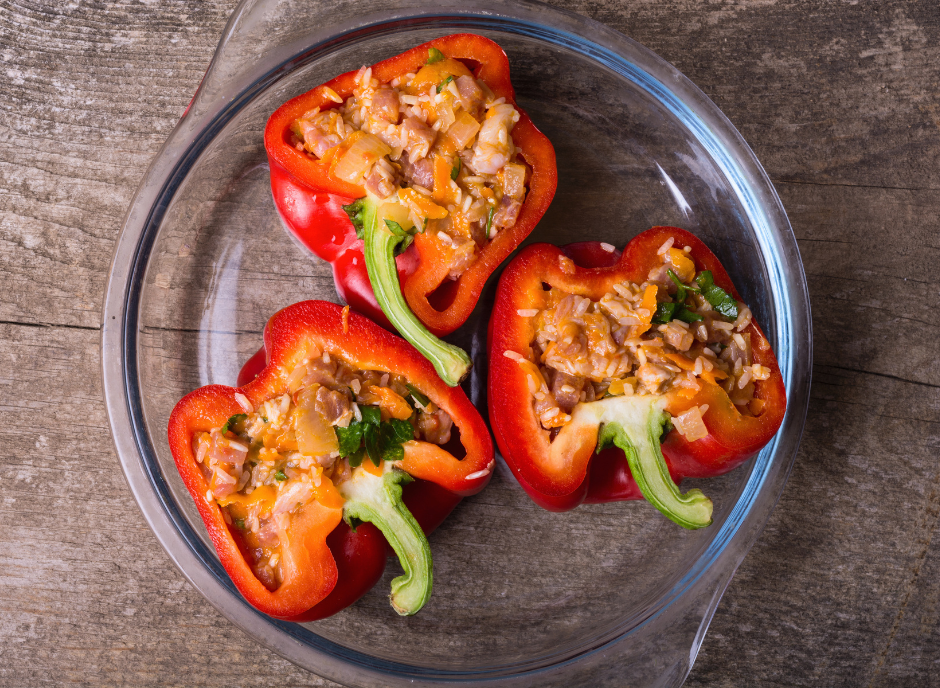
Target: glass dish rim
pixel 206 116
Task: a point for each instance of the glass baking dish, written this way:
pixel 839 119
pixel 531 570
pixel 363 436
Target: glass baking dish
pixel 604 595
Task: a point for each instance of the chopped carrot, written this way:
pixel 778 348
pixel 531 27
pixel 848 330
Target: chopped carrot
pixel 649 305
pixel 533 372
pixel 713 376
pixel 680 361
pixel 393 405
pixel 263 496
pixel 682 264
pixel 443 188
pixel 422 205
pixel 616 388
pixel 345 319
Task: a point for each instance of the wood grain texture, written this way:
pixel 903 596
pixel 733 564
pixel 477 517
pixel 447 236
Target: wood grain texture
pixel 841 104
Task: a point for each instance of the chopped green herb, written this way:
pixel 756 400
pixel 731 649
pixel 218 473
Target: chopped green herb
pixel 355 459
pixel 240 523
pixel 681 292
pixel 356 210
pixel 424 229
pixel 434 55
pixel 280 476
pixel 441 86
pixel 664 313
pixel 402 430
pixel 719 299
pixel 264 418
pixel 234 420
pixel 371 414
pixel 687 316
pixel 456 170
pixel 419 397
pixel 489 220
pixel 373 437
pixel 349 438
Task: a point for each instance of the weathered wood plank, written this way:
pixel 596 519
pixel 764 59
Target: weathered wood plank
pixel 834 593
pixel 88 595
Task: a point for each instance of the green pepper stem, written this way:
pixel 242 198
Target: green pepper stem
pixel 378 500
pixel 451 363
pixel 635 424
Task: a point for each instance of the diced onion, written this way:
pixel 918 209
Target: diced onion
pixel 445 115
pixel 360 157
pixel 514 180
pixel 462 131
pixel 690 424
pixel 315 436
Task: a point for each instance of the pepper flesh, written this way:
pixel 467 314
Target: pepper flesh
pixel 321 548
pixel 561 474
pixel 310 200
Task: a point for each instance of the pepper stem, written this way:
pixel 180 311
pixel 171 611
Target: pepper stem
pixel 635 424
pixel 450 362
pixel 378 500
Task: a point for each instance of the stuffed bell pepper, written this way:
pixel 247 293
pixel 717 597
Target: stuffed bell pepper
pixel 614 376
pixel 299 474
pixel 415 178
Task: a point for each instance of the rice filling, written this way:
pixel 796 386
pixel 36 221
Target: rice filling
pixel 265 464
pixel 663 335
pixel 437 144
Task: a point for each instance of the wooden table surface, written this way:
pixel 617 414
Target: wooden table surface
pixel 840 102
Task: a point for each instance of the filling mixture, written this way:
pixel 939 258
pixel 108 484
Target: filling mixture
pixel 310 444
pixel 436 147
pixel 674 332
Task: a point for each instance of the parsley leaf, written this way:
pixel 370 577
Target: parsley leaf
pixel 402 430
pixel 349 438
pixel 682 289
pixel 240 523
pixel 419 397
pixel 456 170
pixel 355 211
pixel 355 459
pixel 687 316
pixel 280 476
pixel 489 221
pixel 719 299
pixel 371 415
pixel 434 55
pixel 370 436
pixel 441 86
pixel 664 313
pixel 234 420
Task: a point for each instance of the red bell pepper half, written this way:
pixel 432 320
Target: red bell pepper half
pixel 412 289
pixel 327 565
pixel 559 468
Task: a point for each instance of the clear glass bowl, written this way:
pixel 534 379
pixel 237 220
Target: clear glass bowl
pixel 603 595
